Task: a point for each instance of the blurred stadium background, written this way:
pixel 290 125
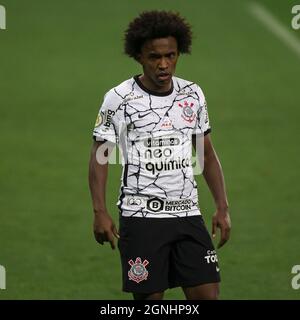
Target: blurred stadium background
pixel 58 58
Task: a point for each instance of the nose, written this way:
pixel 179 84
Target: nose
pixel 163 64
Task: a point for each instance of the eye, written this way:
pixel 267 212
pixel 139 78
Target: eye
pixel 153 56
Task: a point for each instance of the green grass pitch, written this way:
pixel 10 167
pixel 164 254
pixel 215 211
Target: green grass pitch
pixel 58 58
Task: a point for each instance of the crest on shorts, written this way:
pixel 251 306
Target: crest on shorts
pixel 188 113
pixel 138 271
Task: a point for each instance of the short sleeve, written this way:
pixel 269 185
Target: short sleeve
pixel 202 125
pixel 108 119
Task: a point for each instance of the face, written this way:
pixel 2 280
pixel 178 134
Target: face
pixel 158 58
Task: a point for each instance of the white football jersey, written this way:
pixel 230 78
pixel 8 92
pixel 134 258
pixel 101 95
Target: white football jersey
pixel 154 131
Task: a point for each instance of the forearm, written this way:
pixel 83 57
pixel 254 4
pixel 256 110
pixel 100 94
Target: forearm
pixel 97 183
pixel 214 178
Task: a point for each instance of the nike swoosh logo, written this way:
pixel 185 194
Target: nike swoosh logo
pixel 144 115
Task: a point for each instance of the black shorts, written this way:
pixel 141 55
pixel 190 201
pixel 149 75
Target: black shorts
pixel 162 253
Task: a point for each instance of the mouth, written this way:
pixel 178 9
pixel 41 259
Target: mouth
pixel 163 76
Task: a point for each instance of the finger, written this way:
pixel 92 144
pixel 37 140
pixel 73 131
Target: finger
pixel 214 228
pixel 100 240
pixel 221 243
pixel 225 233
pixel 99 237
pixel 115 232
pixel 111 239
pixel 223 238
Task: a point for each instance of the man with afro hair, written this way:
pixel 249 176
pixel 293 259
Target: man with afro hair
pixel 156 118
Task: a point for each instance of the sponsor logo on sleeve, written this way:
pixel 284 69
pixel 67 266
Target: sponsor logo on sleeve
pixel 98 120
pixel 206 112
pixel 107 119
pixel 104 120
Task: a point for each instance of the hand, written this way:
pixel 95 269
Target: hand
pixel 221 219
pixel 105 229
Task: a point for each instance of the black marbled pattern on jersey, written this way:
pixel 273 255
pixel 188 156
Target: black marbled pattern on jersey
pixel 155 134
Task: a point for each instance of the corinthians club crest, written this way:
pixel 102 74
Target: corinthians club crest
pixel 138 271
pixel 188 113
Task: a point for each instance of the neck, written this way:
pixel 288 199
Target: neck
pixel 149 84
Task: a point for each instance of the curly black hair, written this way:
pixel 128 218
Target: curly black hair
pixel 157 24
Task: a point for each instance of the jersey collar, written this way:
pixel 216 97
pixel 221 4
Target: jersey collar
pixel 154 93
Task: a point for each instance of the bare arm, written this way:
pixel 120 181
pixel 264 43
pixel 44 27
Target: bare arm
pixel 214 178
pixel 104 227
